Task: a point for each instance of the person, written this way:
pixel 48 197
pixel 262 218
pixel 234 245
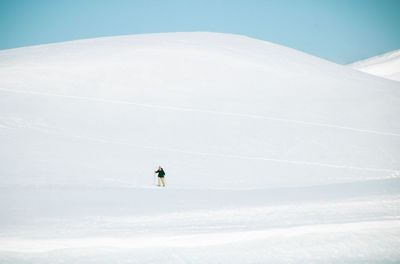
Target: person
pixel 161 174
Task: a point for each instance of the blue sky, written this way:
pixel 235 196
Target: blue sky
pixel 342 31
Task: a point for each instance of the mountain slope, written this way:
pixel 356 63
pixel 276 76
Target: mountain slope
pixel 216 110
pixel 386 65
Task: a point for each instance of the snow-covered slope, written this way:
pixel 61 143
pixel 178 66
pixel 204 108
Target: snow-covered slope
pixel 271 155
pixel 386 65
pixel 216 110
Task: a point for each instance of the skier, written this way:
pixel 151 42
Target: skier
pixel 161 175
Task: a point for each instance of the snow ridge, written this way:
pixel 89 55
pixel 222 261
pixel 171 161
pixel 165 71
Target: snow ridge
pixel 386 65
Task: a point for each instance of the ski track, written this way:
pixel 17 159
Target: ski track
pixel 204 111
pixel 297 162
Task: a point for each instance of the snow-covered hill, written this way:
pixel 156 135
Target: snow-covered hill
pixel 216 110
pixel 271 155
pixel 386 65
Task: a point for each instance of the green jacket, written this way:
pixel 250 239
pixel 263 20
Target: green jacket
pixel 160 172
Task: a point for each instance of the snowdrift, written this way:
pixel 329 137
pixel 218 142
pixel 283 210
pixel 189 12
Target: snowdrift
pixel 215 110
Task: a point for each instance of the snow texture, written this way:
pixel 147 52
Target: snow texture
pixel 271 155
pixel 386 65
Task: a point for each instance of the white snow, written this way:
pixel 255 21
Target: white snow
pixel 386 65
pixel 271 155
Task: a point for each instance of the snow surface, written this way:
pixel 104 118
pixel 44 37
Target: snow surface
pixel 271 155
pixel 386 65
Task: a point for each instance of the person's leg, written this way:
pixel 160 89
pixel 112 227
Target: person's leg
pixel 159 181
pixel 163 183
